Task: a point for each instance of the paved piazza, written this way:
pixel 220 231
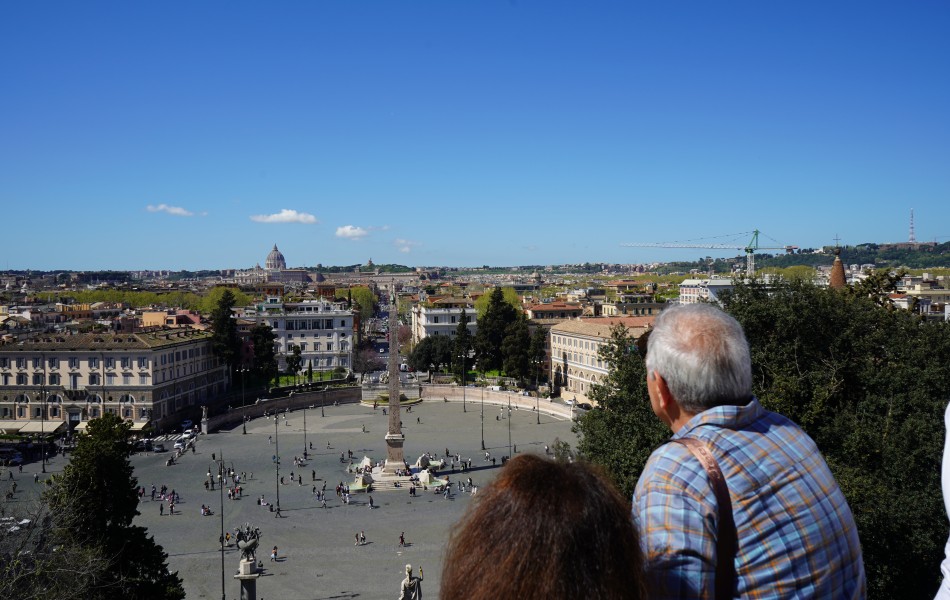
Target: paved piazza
pixel 318 558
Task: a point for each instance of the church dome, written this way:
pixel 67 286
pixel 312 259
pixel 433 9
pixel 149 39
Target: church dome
pixel 275 260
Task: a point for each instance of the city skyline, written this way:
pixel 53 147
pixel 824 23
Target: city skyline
pixel 179 136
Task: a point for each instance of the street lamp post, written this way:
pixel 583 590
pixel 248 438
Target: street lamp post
pixel 323 399
pixel 483 418
pixel 509 426
pixel 243 408
pixel 277 459
pixel 463 384
pixel 305 431
pixel 221 509
pixel 43 428
pixel 537 394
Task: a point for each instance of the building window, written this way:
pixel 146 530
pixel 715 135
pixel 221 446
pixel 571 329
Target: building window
pixel 53 363
pixel 126 362
pixel 54 379
pixel 143 362
pixel 93 363
pixel 110 363
pixel 37 379
pixel 21 379
pixel 110 379
pixel 126 379
pixel 143 379
pixel 21 363
pixel 73 363
pixel 93 379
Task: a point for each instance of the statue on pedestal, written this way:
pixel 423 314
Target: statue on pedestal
pixel 411 588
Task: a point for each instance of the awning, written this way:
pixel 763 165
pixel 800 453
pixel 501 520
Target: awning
pixel 81 426
pixel 9 427
pixel 139 425
pixel 40 426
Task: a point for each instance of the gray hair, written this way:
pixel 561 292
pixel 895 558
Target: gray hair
pixel 702 354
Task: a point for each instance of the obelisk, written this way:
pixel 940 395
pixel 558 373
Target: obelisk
pixel 395 459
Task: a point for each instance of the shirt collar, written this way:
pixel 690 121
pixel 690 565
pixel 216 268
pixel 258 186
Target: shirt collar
pixel 728 416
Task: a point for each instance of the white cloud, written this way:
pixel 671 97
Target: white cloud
pixel 172 210
pixel 351 232
pixel 285 216
pixel 405 246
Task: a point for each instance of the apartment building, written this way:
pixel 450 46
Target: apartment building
pixel 324 331
pixel 441 316
pixel 56 382
pixel 575 363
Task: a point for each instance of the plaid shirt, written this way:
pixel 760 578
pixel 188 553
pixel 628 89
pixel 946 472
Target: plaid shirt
pixel 796 533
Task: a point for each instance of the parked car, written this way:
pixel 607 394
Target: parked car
pixel 584 405
pixel 186 424
pixel 159 448
pixel 10 457
pixel 180 444
pixel 143 446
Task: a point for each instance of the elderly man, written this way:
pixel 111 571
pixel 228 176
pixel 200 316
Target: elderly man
pixel 795 536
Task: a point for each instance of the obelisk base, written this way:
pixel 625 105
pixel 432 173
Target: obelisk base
pixel 395 458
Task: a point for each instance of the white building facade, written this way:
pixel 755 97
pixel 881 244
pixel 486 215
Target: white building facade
pixel 322 329
pixel 442 318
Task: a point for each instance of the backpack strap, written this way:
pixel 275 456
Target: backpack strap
pixel 726 540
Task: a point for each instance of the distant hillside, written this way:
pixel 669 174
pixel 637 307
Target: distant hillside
pixel 923 256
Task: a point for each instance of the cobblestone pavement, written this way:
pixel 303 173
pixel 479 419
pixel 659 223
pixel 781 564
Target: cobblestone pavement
pixel 317 555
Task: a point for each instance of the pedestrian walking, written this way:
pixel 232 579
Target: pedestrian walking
pixel 356 536
pixel 402 538
pixel 161 510
pixel 371 507
pixel 313 475
pixel 273 554
pixel 362 538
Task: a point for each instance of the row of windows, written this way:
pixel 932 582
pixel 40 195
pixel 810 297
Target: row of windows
pixel 73 362
pixel 74 380
pixel 305 324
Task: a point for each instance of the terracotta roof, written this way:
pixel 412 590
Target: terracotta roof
pixel 112 341
pixel 600 327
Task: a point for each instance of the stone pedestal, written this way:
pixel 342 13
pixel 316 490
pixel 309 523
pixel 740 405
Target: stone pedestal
pixel 247 575
pixel 395 458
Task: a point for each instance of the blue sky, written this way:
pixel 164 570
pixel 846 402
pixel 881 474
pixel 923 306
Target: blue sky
pixel 192 135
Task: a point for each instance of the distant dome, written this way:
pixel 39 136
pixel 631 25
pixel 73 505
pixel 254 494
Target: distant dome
pixel 275 260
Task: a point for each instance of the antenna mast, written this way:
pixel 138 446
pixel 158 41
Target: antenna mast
pixel 912 239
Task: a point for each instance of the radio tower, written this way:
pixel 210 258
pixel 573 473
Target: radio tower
pixel 913 238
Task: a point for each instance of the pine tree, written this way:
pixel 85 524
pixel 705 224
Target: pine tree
pixel 490 334
pixel 225 342
pixel 93 504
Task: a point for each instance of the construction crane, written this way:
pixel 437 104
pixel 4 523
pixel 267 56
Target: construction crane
pixel 749 248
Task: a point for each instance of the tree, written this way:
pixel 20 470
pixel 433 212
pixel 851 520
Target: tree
pixel 508 294
pixel 492 325
pixel 93 504
pixel 515 349
pixel 433 351
pixel 537 352
pixel 265 355
pixel 365 301
pixel 462 347
pixel 310 371
pixel 622 432
pixel 208 303
pixel 225 342
pixel 870 386
pixel 294 361
pixel 366 361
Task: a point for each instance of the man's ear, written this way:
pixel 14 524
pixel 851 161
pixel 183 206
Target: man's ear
pixel 668 405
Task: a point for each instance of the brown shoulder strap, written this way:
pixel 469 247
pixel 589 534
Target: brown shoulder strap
pixel 726 541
